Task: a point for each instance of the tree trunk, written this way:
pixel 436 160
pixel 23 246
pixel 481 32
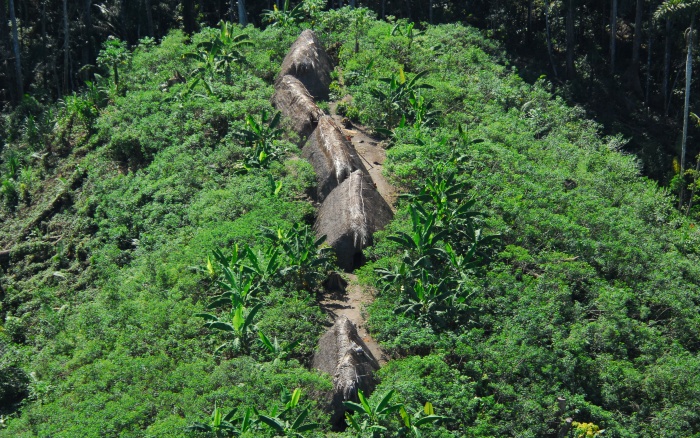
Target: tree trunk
pixel 667 67
pixel 649 42
pixel 15 48
pixel 570 71
pixel 5 49
pixel 686 108
pixel 86 33
pixel 637 42
pixel 549 38
pixel 66 49
pixel 123 28
pixel 44 43
pixel 383 9
pixel 613 35
pixel 633 71
pixel 188 16
pixel 149 19
pixel 529 20
pixel 242 16
pixel 231 11
pixel 430 12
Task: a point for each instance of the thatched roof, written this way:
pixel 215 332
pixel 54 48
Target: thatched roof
pixel 308 62
pixel 349 216
pixel 334 158
pixel 295 102
pixel 342 354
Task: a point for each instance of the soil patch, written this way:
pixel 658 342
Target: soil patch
pixel 351 304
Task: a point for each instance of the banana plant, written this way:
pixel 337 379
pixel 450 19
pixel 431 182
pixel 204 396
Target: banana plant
pixel 466 138
pixel 307 259
pixel 413 423
pixel 282 423
pixel 262 133
pixel 263 266
pixel 260 138
pixel 243 275
pixel 14 165
pixel 96 94
pixel 231 261
pixel 406 30
pixel 426 301
pixel 236 279
pixel 441 190
pixel 289 428
pixel 285 17
pixel 424 238
pixel 9 193
pixel 422 110
pixel 275 186
pixel 395 94
pixel 224 426
pixel 290 399
pixel 371 417
pixel 460 264
pixel 454 212
pixel 404 275
pixel 276 349
pixel 446 197
pixel 238 325
pixel 217 56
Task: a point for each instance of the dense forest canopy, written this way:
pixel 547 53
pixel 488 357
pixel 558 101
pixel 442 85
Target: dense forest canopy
pixel 158 271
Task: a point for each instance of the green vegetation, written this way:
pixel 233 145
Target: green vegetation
pixel 285 17
pixel 590 292
pixel 99 295
pixel 157 257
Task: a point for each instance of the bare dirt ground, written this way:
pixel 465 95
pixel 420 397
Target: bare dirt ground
pixel 351 303
pixel 373 156
pixel 371 152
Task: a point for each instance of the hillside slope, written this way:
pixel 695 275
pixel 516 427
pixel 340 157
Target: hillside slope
pixel 121 195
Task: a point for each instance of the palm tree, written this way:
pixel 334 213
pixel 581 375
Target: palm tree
pixel 681 9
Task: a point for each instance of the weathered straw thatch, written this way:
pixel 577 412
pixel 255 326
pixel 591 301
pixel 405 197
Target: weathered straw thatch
pixel 295 102
pixel 308 62
pixel 333 157
pixel 349 216
pixel 342 354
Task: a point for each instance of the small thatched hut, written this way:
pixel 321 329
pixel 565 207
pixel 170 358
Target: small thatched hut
pixel 295 102
pixel 349 216
pixel 342 354
pixel 334 158
pixel 308 62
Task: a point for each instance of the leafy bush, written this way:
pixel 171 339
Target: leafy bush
pixel 14 382
pixel 102 317
pixel 593 276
